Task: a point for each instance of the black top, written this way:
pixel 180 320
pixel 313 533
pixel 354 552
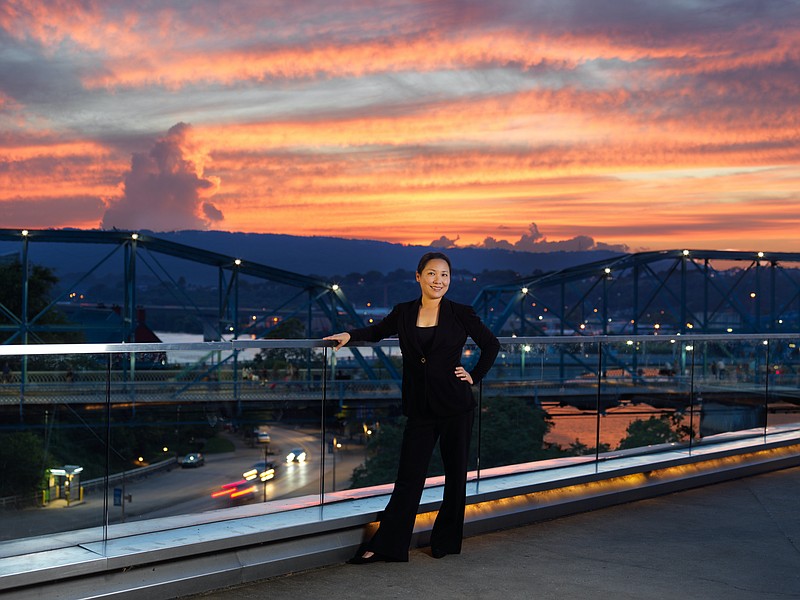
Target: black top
pixel 425 336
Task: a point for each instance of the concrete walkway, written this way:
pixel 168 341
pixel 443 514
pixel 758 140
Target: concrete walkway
pixel 731 541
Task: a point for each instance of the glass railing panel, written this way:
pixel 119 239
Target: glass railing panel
pixel 730 378
pixel 363 395
pixel 131 420
pixel 189 434
pixel 645 394
pixel 53 431
pixel 538 403
pixel 783 406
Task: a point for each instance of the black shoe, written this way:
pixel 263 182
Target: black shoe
pixel 360 559
pixel 437 553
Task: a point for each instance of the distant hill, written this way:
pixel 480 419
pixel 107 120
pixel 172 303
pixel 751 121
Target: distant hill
pixel 331 256
pixel 324 256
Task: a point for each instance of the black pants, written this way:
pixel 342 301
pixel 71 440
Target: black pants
pixel 397 522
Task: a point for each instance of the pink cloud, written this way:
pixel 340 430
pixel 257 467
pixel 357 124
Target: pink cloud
pixel 164 189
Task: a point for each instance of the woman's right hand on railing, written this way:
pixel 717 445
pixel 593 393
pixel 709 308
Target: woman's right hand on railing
pixel 340 338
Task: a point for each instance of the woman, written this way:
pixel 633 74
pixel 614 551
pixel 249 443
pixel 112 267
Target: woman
pixel 438 401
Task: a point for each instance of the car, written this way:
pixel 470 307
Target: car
pixel 297 455
pixel 260 470
pixel 194 459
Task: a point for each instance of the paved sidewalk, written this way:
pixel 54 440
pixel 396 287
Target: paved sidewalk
pixel 731 541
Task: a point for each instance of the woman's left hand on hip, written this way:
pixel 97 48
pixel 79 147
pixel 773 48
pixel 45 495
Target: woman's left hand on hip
pixel 463 374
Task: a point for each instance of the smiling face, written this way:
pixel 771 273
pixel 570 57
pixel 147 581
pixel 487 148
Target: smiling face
pixel 434 279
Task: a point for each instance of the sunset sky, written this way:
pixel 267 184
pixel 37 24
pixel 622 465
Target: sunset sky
pixel 539 125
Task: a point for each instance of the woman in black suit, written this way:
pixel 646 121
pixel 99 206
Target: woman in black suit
pixel 438 401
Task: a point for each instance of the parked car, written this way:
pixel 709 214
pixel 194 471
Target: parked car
pixel 195 459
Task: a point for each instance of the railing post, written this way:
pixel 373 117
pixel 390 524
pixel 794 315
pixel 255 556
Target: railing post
pixel 599 394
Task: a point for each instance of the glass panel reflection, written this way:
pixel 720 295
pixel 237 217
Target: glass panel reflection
pixel 646 386
pixel 730 380
pixel 52 444
pixel 783 408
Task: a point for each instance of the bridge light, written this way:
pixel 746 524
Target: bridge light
pixel 607 270
pixel 760 255
pixel 335 287
pixel 524 290
pixel 134 236
pixel 686 253
pixel 24 233
pixel 238 262
pixel 729 330
pixel 656 326
pixel 752 294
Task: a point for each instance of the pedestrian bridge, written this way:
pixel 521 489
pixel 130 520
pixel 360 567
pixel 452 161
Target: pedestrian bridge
pixel 198 550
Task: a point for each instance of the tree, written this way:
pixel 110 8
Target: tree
pixel 383 450
pixel 655 430
pixel 288 359
pixel 513 432
pixel 22 463
pixel 41 281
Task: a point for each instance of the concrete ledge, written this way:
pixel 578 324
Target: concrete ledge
pixel 209 554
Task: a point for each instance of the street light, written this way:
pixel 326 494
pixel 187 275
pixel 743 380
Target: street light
pixel 335 445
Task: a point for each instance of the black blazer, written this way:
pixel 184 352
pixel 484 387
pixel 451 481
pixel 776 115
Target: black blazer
pixel 431 377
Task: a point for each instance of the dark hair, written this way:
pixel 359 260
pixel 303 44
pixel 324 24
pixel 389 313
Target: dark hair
pixel 429 256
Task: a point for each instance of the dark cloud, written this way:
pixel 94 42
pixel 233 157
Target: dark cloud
pixel 444 242
pixel 43 213
pixel 165 188
pixel 535 241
